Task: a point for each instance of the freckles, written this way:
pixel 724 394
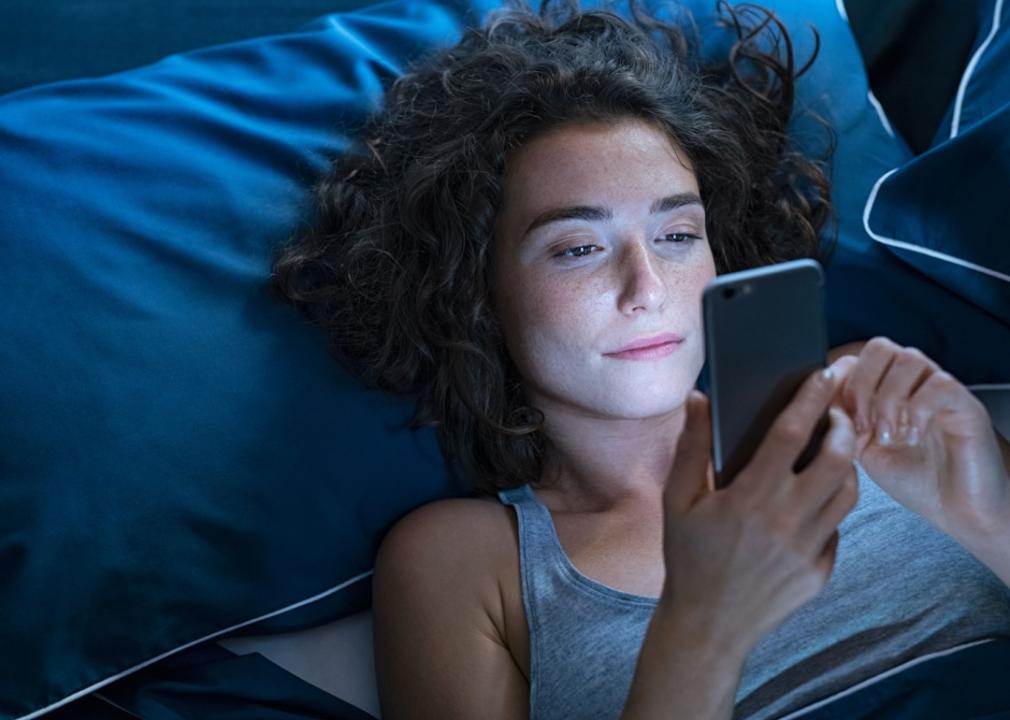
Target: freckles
pixel 556 331
pixel 560 298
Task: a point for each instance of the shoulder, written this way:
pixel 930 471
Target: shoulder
pixel 438 619
pixel 460 528
pixel 456 549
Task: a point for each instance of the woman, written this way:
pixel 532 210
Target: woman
pixel 527 209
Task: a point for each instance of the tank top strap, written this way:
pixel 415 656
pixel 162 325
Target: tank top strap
pixel 545 566
pixel 537 538
pixel 580 631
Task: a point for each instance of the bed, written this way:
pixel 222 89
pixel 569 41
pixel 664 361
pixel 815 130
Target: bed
pixel 192 490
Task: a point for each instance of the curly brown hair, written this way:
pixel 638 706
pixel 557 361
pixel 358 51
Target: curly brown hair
pixel 398 270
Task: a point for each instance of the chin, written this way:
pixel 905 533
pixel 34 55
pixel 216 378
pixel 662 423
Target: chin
pixel 639 406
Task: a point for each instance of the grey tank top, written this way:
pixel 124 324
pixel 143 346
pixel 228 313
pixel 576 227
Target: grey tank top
pixel 901 592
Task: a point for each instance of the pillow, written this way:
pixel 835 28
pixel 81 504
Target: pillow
pixel 950 236
pixel 181 457
pixel 935 219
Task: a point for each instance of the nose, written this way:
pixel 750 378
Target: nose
pixel 642 287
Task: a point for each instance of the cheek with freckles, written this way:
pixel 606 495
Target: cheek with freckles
pixel 553 334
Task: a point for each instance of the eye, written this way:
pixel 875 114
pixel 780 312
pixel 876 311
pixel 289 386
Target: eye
pixel 577 251
pixel 679 238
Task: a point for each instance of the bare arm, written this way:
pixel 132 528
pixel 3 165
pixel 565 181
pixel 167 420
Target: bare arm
pixel 438 654
pixel 683 671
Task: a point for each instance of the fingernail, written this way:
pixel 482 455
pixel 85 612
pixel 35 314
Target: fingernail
pixel 884 432
pixel 913 435
pixel 827 373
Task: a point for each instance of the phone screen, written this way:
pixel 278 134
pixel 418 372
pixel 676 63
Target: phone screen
pixel 764 334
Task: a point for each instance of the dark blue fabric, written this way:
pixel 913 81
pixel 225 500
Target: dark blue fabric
pixel 945 212
pixel 90 707
pixel 178 454
pixel 959 318
pixel 48 40
pixel 970 683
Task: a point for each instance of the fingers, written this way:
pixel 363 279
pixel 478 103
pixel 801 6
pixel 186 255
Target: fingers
pixel 691 474
pixel 861 385
pixel 941 391
pixel 879 389
pixel 906 373
pixel 842 368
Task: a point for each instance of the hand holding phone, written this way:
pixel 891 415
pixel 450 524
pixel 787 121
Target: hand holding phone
pixel 740 560
pixel 743 556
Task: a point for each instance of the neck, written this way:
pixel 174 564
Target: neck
pixel 596 464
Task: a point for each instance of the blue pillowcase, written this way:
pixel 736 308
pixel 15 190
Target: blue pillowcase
pixel 939 220
pixel 180 456
pixel 942 212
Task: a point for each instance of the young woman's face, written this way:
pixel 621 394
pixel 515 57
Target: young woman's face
pixel 601 243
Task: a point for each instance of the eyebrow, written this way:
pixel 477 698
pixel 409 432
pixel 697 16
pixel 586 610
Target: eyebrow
pixel 597 213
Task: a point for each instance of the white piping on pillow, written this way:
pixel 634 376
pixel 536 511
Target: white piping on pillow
pixel 224 631
pixel 956 121
pixel 918 248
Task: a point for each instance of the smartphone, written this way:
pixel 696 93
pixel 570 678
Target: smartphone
pixel 765 332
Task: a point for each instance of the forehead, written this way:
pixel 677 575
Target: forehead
pixel 595 163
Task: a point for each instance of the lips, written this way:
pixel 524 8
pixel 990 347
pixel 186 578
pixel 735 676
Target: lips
pixel 648 342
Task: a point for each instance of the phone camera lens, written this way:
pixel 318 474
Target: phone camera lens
pixel 729 292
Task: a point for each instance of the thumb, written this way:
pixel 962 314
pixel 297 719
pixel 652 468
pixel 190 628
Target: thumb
pixel 691 474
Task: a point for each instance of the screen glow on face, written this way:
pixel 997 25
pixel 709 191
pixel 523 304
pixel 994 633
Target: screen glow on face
pixel 601 242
